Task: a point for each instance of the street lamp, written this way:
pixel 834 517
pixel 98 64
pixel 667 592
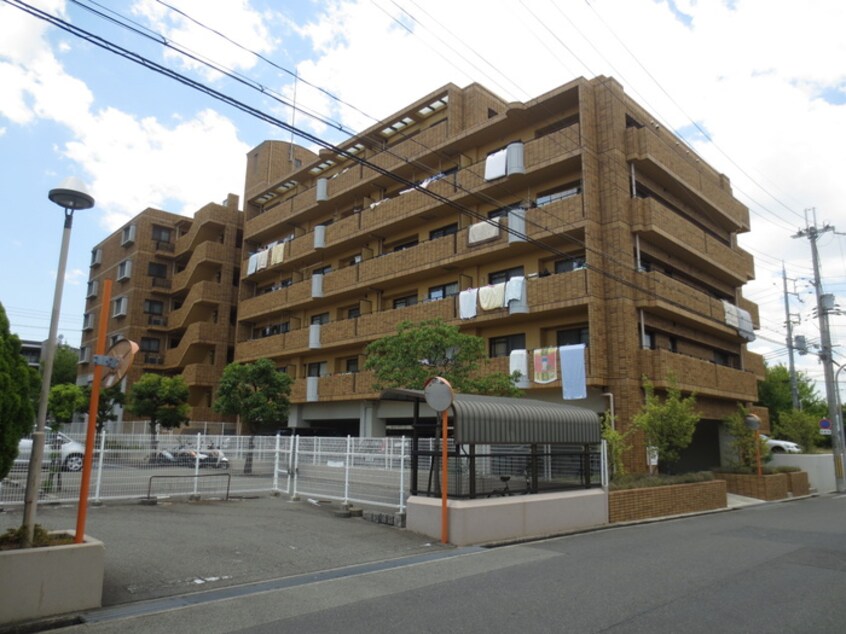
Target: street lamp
pixel 71 196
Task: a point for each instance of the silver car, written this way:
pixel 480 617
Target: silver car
pixel 781 446
pixel 71 453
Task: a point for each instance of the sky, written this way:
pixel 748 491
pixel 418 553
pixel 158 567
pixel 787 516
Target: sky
pixel 757 88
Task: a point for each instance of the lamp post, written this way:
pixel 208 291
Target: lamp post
pixel 71 196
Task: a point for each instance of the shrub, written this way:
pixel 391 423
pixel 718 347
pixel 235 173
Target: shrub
pixel 645 481
pixel 743 442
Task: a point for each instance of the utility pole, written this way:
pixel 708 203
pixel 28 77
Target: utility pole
pixel 837 440
pixel 794 388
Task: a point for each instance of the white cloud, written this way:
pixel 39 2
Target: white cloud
pixel 236 19
pixel 138 163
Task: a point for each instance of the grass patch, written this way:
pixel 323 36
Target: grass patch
pixel 645 481
pixel 13 538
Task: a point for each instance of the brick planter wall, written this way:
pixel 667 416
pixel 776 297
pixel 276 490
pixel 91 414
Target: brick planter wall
pixel 768 487
pixel 677 499
pixel 798 483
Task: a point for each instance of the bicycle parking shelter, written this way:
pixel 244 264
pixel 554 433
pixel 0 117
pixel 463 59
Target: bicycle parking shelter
pixel 503 446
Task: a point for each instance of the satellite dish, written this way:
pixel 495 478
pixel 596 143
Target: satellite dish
pixel 117 361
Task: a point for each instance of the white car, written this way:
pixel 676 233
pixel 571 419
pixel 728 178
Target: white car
pixel 781 446
pixel 71 452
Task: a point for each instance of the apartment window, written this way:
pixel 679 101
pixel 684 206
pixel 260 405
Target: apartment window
pixel 572 264
pixel 114 339
pixel 323 270
pixel 405 245
pixel 442 232
pixel 353 312
pixel 87 322
pixel 548 197
pixel 502 212
pixel 502 346
pixel 674 344
pixel 91 291
pixel 96 257
pixel 124 270
pixel 153 307
pixel 322 318
pixel 318 368
pixel 127 236
pixel 722 358
pixel 120 306
pixel 442 291
pixel 572 336
pixel 84 354
pixel 356 259
pixel 157 269
pixel 402 302
pixel 150 344
pixel 161 234
pixel 351 365
pixel 503 276
pixel 648 340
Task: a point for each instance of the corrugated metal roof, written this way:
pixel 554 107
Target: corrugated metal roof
pixel 496 419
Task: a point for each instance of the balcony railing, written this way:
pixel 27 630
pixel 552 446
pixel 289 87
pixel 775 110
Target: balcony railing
pixel 697 375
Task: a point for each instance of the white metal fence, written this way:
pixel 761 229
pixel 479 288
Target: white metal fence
pixel 368 471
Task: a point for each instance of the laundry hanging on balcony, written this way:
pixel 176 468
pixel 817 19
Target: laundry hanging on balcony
pixel 467 303
pixel 277 254
pixel 545 362
pixel 518 361
pixel 482 231
pixel 573 373
pixel 492 296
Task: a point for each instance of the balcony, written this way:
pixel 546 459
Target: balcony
pixel 204 294
pixel 696 375
pixel 678 301
pixel 676 235
pixel 201 374
pixel 209 222
pixel 206 255
pixel 652 154
pixel 337 387
pixel 202 334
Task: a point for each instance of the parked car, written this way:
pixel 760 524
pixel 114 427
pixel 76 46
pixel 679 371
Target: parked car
pixel 71 452
pixel 781 446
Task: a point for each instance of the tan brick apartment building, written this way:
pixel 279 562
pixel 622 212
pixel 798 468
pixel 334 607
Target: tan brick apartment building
pixel 626 241
pixel 174 288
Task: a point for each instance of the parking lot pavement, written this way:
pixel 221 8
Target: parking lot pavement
pixel 179 546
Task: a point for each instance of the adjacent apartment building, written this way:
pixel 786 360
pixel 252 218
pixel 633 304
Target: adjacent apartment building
pixel 174 287
pixel 620 237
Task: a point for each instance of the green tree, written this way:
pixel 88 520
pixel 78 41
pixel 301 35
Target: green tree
pixel 743 442
pixel 667 425
pixel 258 393
pixel 161 399
pixel 110 398
pixel 800 427
pixel 65 362
pixel 618 444
pixel 64 401
pixel 427 349
pixel 774 393
pixel 17 413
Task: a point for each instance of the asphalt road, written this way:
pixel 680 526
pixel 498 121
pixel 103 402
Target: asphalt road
pixel 767 568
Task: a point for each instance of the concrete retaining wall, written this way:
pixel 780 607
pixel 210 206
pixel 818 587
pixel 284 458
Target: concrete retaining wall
pixel 507 518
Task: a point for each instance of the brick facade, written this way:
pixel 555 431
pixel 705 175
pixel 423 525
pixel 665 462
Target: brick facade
pixel 173 292
pixel 652 230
